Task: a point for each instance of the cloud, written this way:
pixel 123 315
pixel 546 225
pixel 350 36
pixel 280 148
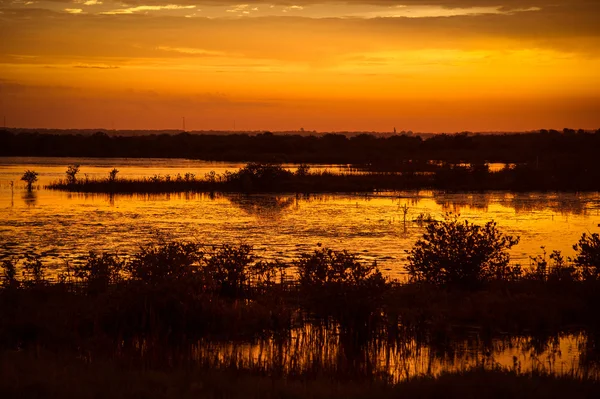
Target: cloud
pixel 192 51
pixel 96 66
pixel 74 10
pixel 143 8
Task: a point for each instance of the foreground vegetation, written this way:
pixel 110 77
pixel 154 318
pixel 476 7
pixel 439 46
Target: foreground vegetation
pixel 460 276
pixel 157 317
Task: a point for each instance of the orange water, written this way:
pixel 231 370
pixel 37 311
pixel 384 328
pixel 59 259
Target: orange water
pixel 64 226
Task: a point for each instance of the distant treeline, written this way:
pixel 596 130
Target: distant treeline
pixel 397 152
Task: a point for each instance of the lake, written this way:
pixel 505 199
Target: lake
pixel 63 226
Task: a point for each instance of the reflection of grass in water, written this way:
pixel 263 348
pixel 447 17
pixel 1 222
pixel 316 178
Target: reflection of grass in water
pixel 26 375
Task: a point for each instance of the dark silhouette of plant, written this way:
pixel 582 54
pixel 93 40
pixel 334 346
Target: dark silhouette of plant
pixel 303 170
pixel 588 255
pixel 99 272
pixel 557 271
pixel 325 268
pixel 71 173
pixel 34 274
pixel 229 268
pixel 9 275
pixel 168 261
pixel 29 177
pixel 462 254
pixel 266 273
pixel 258 176
pixel 112 175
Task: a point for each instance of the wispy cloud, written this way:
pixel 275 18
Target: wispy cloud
pixel 133 10
pixel 74 10
pixel 95 66
pixel 192 51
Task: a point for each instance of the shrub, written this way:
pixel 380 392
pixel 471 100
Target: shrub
pixel 99 272
pixel 168 261
pixel 326 268
pixel 29 177
pixel 461 254
pixel 558 271
pixel 258 176
pixel 9 275
pixel 112 175
pixel 71 173
pixel 229 268
pixel 588 255
pixel 34 274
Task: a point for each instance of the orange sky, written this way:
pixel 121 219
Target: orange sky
pixel 421 65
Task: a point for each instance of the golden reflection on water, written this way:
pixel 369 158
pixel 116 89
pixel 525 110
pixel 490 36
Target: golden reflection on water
pixel 66 226
pixel 327 350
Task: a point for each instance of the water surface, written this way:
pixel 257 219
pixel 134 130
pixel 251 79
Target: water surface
pixel 66 226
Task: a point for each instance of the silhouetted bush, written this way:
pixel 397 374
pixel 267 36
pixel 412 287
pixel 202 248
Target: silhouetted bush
pixel 100 271
pixel 556 271
pixel 29 177
pixel 167 262
pixel 9 274
pixel 229 268
pixel 72 171
pixel 588 255
pixel 455 253
pixel 259 177
pixel 34 271
pixel 325 268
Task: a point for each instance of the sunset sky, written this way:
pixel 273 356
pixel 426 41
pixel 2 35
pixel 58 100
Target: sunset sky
pixel 421 65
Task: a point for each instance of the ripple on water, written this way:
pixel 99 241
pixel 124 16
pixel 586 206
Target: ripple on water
pixel 282 225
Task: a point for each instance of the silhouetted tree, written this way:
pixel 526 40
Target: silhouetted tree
pixel 71 172
pixel 29 177
pixel 112 175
